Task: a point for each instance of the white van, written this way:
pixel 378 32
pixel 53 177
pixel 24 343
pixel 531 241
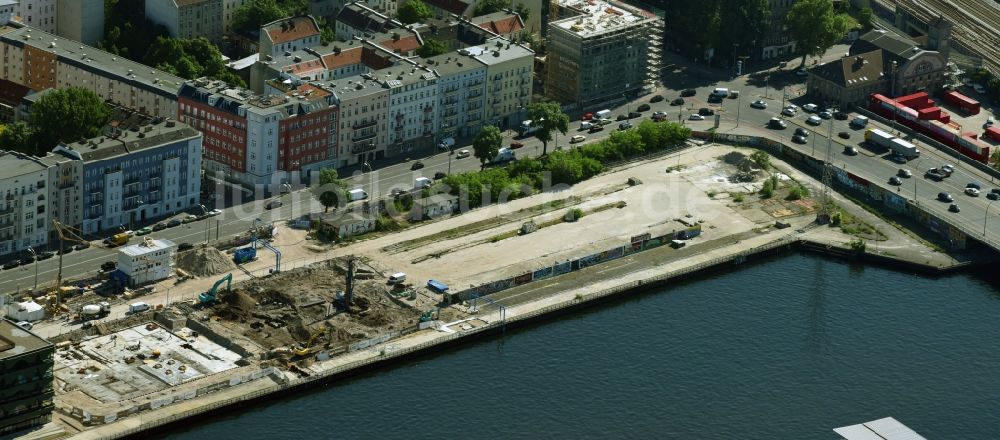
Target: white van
pixel 137 307
pixel 586 125
pixel 421 183
pixel 397 278
pixel 860 121
pixel 357 194
pixel 603 114
pixel 720 92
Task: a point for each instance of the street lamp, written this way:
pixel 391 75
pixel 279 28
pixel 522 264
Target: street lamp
pixel 985 219
pixel 34 257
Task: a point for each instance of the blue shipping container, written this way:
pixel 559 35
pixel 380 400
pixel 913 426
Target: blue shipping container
pixel 437 286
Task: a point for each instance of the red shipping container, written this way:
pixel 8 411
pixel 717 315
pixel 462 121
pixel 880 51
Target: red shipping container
pixel 929 113
pixel 963 102
pixel 916 101
pixel 945 118
pixel 993 133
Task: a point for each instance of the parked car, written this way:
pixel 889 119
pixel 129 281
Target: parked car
pixel 841 116
pixel 903 172
pixel 825 115
pixel 895 181
pixel 159 226
pixel 799 139
pixel 190 218
pixel 802 72
pixel 656 98
pixel 11 264
pixel 705 111
pixel 643 108
pixel 844 135
pixel 945 197
pixel 788 111
pixel 214 212
pixel 465 153
pixel 173 223
pixel 625 126
pixel 758 104
pixel 46 255
pixel 801 132
pixel 416 165
pixel 25 325
pixel 677 101
pixel 810 107
pixel 81 246
pixel 621 117
pixel 632 115
pixel 440 175
pixel 577 139
pixel 696 117
pixel 688 92
pixel 144 231
pixel 814 120
pixel 850 151
pixel 954 208
pixel 67 250
pixel 596 129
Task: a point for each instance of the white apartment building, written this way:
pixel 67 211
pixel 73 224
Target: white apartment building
pixel 413 101
pixel 39 14
pixel 40 60
pixel 150 260
pixel 188 18
pixel 24 212
pixel 288 35
pixel 508 79
pixel 228 8
pixel 8 9
pixel 364 114
pixel 461 91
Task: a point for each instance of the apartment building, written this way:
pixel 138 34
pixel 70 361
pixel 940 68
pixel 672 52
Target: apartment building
pixel 80 20
pixel 508 79
pixel 358 19
pixel 776 41
pixel 229 8
pixel 39 14
pixel 461 93
pixel 504 23
pixel 133 176
pixel 288 35
pixel 364 114
pixel 25 379
pixel 255 139
pixel 24 214
pixel 601 52
pixel 413 101
pixel 40 60
pixel 8 10
pixel 188 18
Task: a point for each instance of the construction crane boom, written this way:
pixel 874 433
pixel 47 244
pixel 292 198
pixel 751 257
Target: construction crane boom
pixel 65 233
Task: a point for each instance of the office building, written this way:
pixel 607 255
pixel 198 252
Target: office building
pixel 599 52
pixel 148 261
pixel 25 379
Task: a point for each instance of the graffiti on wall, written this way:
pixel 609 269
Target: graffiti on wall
pixel 542 273
pixel 522 279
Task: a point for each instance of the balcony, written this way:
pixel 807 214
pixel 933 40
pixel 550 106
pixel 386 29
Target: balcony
pixel 364 137
pixel 363 147
pixel 6 210
pixel 428 109
pixel 400 116
pixel 364 124
pixel 449 92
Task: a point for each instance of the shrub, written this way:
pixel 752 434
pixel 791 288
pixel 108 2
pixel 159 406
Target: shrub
pixel 573 214
pixel 738 198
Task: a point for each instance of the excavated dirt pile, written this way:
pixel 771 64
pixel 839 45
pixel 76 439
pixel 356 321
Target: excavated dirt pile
pixel 205 262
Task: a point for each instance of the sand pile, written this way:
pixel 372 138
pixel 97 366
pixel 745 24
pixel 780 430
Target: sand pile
pixel 204 262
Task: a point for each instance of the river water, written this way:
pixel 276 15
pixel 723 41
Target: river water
pixel 788 348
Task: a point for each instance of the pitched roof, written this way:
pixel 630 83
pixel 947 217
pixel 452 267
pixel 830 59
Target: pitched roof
pixel 346 57
pixel 457 7
pixel 290 29
pixel 898 48
pixel 404 45
pixel 853 70
pixel 500 23
pixel 358 16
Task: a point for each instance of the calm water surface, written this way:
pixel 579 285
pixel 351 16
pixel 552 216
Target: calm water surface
pixel 784 349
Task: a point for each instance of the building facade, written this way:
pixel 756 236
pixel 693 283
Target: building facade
pixel 229 7
pixel 25 379
pixel 39 14
pixel 40 60
pixel 24 214
pixel 8 10
pixel 364 120
pixel 138 176
pixel 80 20
pixel 148 261
pixel 601 52
pixel 413 101
pixel 776 41
pixel 461 94
pixel 188 18
pixel 509 69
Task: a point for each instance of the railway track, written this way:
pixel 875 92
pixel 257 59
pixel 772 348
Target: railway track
pixel 977 24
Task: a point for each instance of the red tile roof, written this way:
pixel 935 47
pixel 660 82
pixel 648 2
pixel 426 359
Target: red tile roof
pixel 504 26
pixel 346 57
pixel 404 45
pixel 283 31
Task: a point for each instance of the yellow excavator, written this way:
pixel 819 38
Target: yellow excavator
pixel 308 348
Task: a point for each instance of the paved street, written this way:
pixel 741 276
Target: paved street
pixel 736 116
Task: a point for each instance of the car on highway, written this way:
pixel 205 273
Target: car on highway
pixel 144 231
pixel 934 174
pixel 696 117
pixel 799 139
pixel 81 246
pixel 841 116
pixel 777 123
pixel 905 173
pixel 643 107
pixel 659 116
pixel 810 107
pixel 825 114
pixel 633 115
pixel 159 226
pixel 814 120
pixel 688 92
pixel 802 72
pixel 513 146
pixel 945 197
pixel 759 104
pixel 975 185
pixel 972 192
pixel 898 159
pixel 788 111
pixel 46 255
pixel 174 223
pixel 656 98
pixel 462 154
pixel 850 151
pixel 416 165
pixel 895 181
pixel 954 208
pixel 577 139
pixel 11 264
pixel 844 135
pixel 801 131
pixel 947 170
pixel 273 204
pixel 596 129
pixel 994 194
pixel 677 101
pixel 705 111
pixel 625 126
pixel 440 175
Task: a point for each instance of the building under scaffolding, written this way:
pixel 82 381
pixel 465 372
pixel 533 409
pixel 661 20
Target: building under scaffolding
pixel 601 51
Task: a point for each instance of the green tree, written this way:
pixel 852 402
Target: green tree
pixel 744 20
pixel 995 156
pixel 694 24
pixel 762 159
pixel 17 137
pixel 190 59
pixel 331 189
pixel 815 26
pixel 549 118
pixel 523 11
pixel 486 146
pixel 866 17
pixel 253 14
pixel 490 6
pixel 67 115
pixel 431 48
pixel 413 11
